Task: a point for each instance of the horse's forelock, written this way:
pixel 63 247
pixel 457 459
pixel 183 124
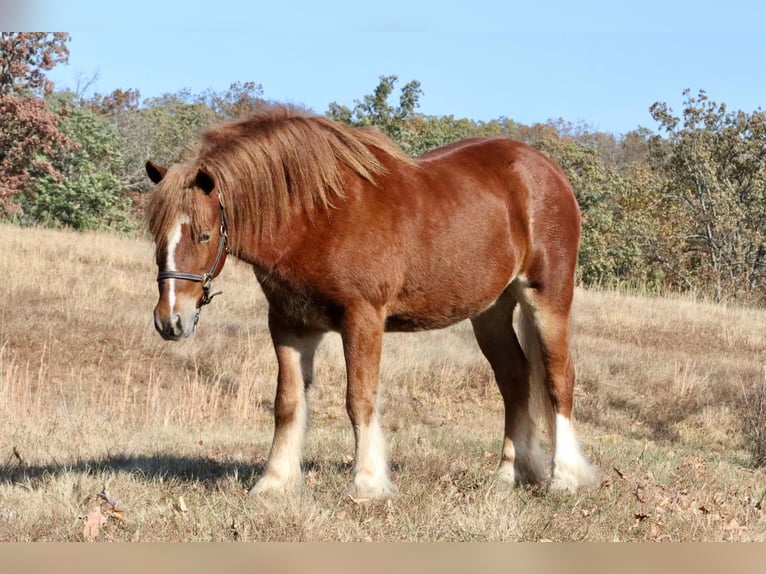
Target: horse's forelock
pixel 176 197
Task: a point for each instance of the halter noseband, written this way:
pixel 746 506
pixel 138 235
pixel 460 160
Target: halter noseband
pixel 207 278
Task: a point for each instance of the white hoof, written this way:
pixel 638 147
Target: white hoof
pixel 570 475
pixel 367 487
pixel 270 484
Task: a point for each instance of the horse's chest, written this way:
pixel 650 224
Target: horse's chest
pixel 298 306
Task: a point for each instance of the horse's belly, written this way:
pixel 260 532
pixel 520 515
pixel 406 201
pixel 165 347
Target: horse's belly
pixel 436 310
pixel 412 322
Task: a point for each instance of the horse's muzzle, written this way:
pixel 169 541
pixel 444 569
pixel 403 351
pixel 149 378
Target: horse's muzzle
pixel 174 327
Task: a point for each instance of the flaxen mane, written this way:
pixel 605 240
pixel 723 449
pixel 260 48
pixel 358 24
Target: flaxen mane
pixel 283 159
pixel 267 165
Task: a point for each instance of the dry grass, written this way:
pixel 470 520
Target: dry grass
pixel 100 417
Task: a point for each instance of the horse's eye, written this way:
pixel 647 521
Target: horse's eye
pixel 203 237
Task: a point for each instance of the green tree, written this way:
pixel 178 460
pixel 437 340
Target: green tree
pixel 89 195
pixel 376 110
pixel 163 129
pixel 712 165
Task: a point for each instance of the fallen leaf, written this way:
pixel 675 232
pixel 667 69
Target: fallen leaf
pixel 110 505
pixel 358 500
pixel 115 513
pixel 94 520
pixel 180 505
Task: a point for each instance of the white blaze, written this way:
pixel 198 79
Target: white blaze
pixel 174 238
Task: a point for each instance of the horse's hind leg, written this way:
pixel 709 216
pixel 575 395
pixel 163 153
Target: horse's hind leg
pixel 295 355
pixel 522 459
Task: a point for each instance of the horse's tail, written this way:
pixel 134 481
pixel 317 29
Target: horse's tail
pixel 540 404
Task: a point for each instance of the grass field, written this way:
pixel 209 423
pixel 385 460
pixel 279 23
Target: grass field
pixel 109 433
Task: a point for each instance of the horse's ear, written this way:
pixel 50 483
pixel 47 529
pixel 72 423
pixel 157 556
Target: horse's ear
pixel 155 172
pixel 204 181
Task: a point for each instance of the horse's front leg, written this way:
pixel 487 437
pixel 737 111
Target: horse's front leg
pixel 362 335
pixel 295 355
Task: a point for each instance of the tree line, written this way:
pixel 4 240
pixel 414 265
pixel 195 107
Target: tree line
pixel 681 208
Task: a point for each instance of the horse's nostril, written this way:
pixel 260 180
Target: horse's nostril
pixel 158 324
pixel 171 328
pixel 176 327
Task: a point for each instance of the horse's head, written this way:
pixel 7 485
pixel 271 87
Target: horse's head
pixel 187 219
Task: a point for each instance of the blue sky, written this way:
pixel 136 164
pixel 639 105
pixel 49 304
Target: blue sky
pixel 599 62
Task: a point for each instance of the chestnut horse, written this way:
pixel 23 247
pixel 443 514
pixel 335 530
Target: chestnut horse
pixel 347 233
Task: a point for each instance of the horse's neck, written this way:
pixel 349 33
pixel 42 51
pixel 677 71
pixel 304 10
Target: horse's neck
pixel 266 249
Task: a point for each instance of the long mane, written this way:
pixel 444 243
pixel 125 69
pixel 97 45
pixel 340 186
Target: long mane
pixel 283 159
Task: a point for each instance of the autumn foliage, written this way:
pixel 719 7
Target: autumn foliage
pixel 29 133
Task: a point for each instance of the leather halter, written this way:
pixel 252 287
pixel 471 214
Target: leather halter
pixel 207 278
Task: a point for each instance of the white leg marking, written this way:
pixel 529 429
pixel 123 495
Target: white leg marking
pixel 283 469
pixel 371 470
pixel 570 469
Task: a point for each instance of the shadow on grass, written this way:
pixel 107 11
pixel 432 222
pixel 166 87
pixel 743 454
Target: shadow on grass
pixel 206 471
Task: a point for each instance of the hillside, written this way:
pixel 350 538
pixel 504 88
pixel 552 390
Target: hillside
pixel 92 400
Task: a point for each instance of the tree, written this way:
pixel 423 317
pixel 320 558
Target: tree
pixel 29 135
pixel 240 100
pixel 712 164
pixel 163 129
pixel 115 105
pixel 25 56
pixel 90 195
pixel 375 110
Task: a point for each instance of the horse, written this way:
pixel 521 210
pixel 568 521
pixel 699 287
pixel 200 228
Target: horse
pixel 346 233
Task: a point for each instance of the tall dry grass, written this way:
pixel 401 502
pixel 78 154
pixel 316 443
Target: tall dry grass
pixel 110 433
